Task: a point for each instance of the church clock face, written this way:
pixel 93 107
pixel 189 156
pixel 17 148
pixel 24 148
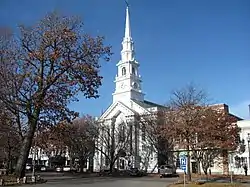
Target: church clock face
pixel 122 85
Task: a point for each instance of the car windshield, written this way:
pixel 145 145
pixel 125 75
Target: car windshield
pixel 166 167
pixel 135 169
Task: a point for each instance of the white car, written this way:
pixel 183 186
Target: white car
pixel 43 168
pixel 28 167
pixel 59 169
pixel 66 168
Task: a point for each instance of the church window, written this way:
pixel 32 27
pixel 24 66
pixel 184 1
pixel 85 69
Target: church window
pixel 122 133
pixel 135 85
pixel 107 162
pixel 133 70
pixel 143 134
pixel 123 71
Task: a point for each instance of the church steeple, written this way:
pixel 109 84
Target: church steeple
pixel 127 26
pixel 128 81
pixel 127 52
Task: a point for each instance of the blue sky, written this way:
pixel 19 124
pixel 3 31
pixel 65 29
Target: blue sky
pixel 177 42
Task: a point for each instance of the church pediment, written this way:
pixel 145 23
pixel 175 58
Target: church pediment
pixel 115 109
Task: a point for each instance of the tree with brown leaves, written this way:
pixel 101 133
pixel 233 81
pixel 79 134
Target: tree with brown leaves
pixel 44 69
pixel 183 118
pixel 217 135
pixel 223 133
pixel 50 141
pixel 9 141
pixel 202 131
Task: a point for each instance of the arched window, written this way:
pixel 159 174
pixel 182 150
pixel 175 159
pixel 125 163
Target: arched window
pixel 123 71
pixel 122 132
pixel 135 85
pixel 133 70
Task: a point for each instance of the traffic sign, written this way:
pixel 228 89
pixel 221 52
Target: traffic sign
pixel 183 163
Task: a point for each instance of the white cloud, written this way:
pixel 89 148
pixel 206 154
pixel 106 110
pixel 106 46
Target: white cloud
pixel 241 110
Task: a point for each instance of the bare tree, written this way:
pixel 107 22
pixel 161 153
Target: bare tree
pixel 113 142
pixel 43 70
pixel 80 138
pixel 153 140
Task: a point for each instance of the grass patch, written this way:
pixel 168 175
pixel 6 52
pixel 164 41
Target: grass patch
pixel 208 185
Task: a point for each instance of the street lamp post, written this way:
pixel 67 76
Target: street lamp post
pixel 248 146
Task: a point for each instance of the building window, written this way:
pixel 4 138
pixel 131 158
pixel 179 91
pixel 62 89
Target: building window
pixel 123 71
pixel 143 133
pixel 107 162
pixel 122 133
pixel 133 70
pixel 135 85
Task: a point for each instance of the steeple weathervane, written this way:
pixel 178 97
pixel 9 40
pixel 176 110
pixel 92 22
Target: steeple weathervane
pixel 126 2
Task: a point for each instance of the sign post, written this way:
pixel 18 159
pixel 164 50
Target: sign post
pixel 183 166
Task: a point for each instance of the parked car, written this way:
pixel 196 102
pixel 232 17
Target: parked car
pixel 43 168
pixel 66 168
pixel 28 167
pixel 167 170
pixel 135 172
pixel 106 172
pixel 59 169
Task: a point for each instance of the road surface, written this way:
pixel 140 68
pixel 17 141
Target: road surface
pixel 107 182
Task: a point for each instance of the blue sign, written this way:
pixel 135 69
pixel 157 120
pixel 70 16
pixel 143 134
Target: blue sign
pixel 183 163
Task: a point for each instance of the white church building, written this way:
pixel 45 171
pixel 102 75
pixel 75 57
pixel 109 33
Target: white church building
pixel 119 122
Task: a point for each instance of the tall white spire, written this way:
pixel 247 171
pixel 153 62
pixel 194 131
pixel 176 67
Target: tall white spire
pixel 127 26
pixel 127 53
pixel 128 80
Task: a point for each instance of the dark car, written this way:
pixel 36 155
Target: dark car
pixel 135 172
pixel 167 170
pixel 106 172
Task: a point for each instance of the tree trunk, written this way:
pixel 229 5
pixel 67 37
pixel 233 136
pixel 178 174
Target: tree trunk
pixel 111 166
pixel 82 160
pixel 188 161
pixel 8 161
pixel 71 159
pixel 112 151
pixel 24 152
pixel 199 167
pixel 188 165
pixel 225 162
pixel 205 166
pixel 205 171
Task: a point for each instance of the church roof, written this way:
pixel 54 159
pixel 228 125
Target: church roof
pixel 148 104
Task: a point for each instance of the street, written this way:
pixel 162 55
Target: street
pixel 64 181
